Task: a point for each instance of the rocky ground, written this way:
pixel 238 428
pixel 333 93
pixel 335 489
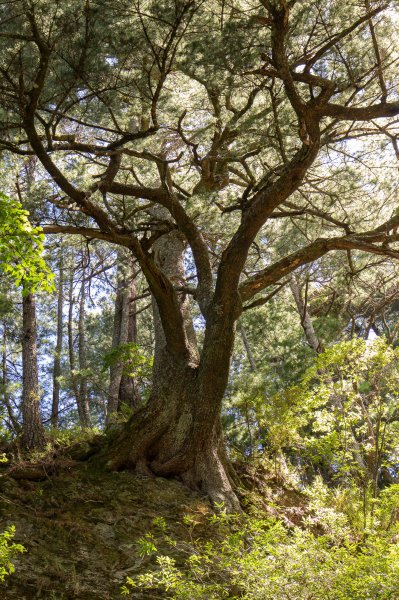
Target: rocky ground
pixel 80 530
pixel 80 526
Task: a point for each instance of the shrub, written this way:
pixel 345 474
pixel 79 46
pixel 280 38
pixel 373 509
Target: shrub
pixel 260 559
pixel 8 550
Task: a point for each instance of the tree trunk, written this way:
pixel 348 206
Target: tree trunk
pixel 13 421
pixel 79 390
pixel 58 347
pixel 306 321
pixel 33 435
pixel 129 393
pixel 119 336
pixel 247 347
pixel 83 401
pixel 71 350
pixel 178 433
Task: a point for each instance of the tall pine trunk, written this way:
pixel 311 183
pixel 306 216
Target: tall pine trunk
pixel 13 421
pixel 83 400
pixel 78 382
pixel 129 392
pixel 33 435
pixel 71 349
pixel 58 347
pixel 119 336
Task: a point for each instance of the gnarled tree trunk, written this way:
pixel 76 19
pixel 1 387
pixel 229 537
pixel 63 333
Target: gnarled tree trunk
pixel 178 433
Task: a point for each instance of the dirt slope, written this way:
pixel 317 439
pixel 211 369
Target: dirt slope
pixel 80 529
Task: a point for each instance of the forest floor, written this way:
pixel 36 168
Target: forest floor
pixel 80 527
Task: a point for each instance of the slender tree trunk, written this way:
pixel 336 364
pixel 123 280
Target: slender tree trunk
pixel 33 435
pixel 83 401
pixel 178 433
pixel 247 347
pixel 306 320
pixel 252 366
pixel 58 347
pixel 129 393
pixel 71 350
pixel 119 336
pixel 79 385
pixel 4 382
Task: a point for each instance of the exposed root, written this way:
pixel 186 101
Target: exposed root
pixel 38 471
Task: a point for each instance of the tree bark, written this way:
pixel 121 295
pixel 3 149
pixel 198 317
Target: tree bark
pixel 83 400
pixel 4 383
pixel 178 433
pixel 306 321
pixel 33 435
pixel 71 350
pixel 129 392
pixel 247 347
pixel 58 347
pixel 119 336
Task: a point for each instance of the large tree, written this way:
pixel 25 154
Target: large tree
pixel 220 143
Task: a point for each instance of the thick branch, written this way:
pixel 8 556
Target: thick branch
pixel 89 233
pixel 272 274
pixel 360 113
pixel 186 225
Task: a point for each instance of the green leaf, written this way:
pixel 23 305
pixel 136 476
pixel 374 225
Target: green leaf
pixel 21 249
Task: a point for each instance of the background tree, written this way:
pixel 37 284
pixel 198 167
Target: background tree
pixel 32 428
pixel 58 347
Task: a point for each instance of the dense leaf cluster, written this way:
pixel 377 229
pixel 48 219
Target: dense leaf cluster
pixel 21 248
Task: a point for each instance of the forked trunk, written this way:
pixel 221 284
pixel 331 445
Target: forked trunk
pixel 178 433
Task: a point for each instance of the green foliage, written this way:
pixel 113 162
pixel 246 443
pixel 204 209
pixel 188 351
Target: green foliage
pixel 344 411
pixel 21 248
pixel 8 550
pixel 71 435
pixel 260 559
pixel 146 545
pixel 135 363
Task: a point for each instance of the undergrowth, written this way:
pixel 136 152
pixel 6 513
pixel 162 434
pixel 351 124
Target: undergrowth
pixel 252 558
pixel 8 551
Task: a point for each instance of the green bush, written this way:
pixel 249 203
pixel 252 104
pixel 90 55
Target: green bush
pixel 8 550
pixel 261 559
